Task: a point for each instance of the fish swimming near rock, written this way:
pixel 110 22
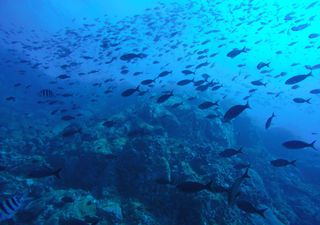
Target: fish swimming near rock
pixel 164 97
pixel 249 208
pixel 282 162
pixel 45 172
pixel 10 206
pixel 130 91
pixel 269 121
pixel 262 64
pixel 235 111
pixel 192 187
pixel 298 78
pixel 296 144
pixel 235 52
pixel 71 131
pixel 207 104
pixel 229 152
pixel 234 191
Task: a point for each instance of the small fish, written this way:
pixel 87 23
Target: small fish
pixel 258 83
pixel 296 144
pixel 11 98
pixel 315 91
pixel 302 100
pixel 192 187
pixel 10 206
pixel 249 208
pixel 164 97
pixel 67 118
pixel 147 81
pixel 229 152
pixel 241 166
pixel 187 72
pixel 235 52
pixel 300 27
pixel 130 91
pixel 262 64
pixel 63 76
pixel 282 162
pixel 71 131
pixel 130 56
pixel 46 172
pixel 164 73
pixel 269 120
pixel 184 82
pixel 297 78
pixel 235 111
pixel 207 104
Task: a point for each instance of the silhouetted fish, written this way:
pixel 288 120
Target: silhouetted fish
pixel 282 162
pixel 249 208
pixel 164 97
pixel 230 152
pixel 130 91
pixel 297 78
pixel 262 64
pixel 296 144
pixel 235 111
pixel 130 56
pixel 207 104
pixel 234 190
pixel 192 187
pixel 302 100
pixel 269 120
pixel 236 52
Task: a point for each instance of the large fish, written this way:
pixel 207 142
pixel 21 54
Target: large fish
pixel 235 111
pixel 297 78
pixel 234 190
pixel 235 52
pixel 296 144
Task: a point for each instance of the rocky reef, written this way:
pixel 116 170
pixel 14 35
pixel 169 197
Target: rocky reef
pixel 124 170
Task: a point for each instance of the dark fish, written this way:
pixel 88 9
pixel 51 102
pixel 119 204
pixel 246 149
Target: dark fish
pixel 164 97
pixel 235 111
pixel 147 81
pixel 249 208
pixel 130 56
pixel 296 144
pixel 262 64
pixel 313 35
pixel 234 191
pixel 241 166
pixel 258 83
pixel 10 206
pixel 164 73
pixel 192 187
pixel 230 152
pixel 187 72
pixel 109 123
pixel 315 91
pixel 184 82
pixel 176 105
pixel 297 78
pixel 11 98
pixel 42 173
pixel 63 76
pixel 67 118
pixel 302 100
pixel 282 162
pixel 71 131
pixel 207 104
pixel 130 91
pixel 314 67
pixel 300 27
pixel 269 120
pixel 235 52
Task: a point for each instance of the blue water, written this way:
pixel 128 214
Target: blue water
pixel 126 158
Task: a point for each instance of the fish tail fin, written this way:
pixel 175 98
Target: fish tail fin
pixel 308 101
pixel 246 175
pixel 273 115
pixel 138 88
pixel 293 162
pixel 208 186
pixel 240 150
pixel 268 64
pixel 247 105
pixel 310 73
pixel 261 212
pixel 312 145
pixel 57 173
